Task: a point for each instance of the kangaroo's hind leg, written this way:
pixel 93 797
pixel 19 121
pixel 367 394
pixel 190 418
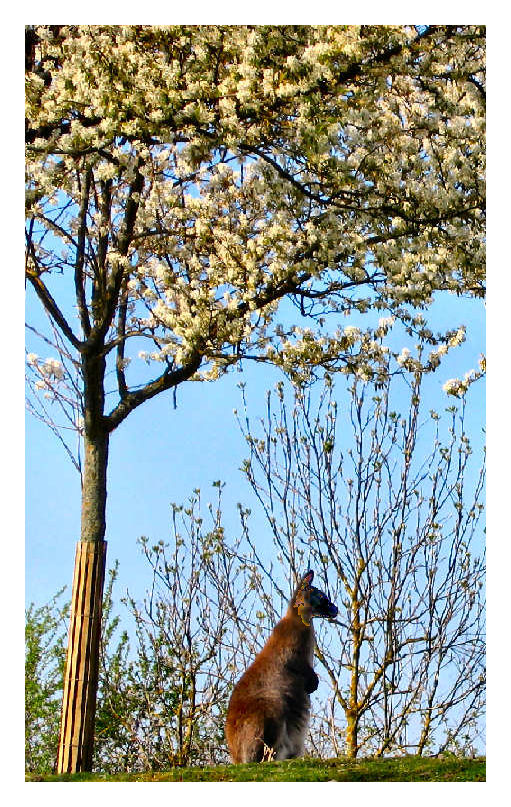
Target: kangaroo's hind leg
pixel 258 738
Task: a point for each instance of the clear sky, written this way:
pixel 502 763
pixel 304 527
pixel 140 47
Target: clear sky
pixel 160 454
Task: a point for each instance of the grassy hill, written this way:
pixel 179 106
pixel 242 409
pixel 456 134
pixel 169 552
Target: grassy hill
pixel 397 769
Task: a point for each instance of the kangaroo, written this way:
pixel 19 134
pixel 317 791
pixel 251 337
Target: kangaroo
pixel 269 708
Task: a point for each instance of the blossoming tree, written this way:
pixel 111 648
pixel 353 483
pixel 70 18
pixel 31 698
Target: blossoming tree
pixel 182 181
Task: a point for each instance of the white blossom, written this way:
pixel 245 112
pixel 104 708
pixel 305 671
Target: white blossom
pixel 403 356
pixel 52 368
pixel 220 224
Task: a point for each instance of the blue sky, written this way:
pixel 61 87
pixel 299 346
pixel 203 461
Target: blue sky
pixel 160 454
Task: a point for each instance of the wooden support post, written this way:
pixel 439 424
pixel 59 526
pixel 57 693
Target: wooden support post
pixel 82 660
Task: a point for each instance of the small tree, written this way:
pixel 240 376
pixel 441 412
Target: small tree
pixel 183 180
pixel 390 516
pixel 163 695
pixel 45 647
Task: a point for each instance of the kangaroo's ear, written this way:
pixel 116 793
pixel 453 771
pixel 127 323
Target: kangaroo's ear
pixel 306 579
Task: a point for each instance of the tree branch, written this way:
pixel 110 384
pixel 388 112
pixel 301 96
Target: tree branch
pixel 168 380
pixel 114 284
pixel 52 308
pixel 80 255
pixel 121 335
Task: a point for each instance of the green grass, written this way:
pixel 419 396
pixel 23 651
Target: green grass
pixel 396 769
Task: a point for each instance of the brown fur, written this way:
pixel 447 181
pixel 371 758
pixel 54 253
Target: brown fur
pixel 269 708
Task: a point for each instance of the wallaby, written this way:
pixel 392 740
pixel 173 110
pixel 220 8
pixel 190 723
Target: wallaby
pixel 269 708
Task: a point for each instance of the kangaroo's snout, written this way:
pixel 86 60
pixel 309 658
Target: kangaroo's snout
pixel 321 605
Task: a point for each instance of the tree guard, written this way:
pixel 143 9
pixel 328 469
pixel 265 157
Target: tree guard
pixel 81 672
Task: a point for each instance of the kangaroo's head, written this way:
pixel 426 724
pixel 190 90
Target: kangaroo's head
pixel 309 601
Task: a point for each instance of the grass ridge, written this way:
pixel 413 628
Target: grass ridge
pixel 306 769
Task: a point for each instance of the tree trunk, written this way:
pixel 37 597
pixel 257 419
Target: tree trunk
pixel 82 661
pixel 353 711
pixel 352 717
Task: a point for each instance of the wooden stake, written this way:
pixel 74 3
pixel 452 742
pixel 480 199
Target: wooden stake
pixel 82 660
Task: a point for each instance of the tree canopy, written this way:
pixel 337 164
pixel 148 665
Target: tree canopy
pixel 186 179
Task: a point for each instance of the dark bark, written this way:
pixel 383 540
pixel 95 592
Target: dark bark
pixel 94 488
